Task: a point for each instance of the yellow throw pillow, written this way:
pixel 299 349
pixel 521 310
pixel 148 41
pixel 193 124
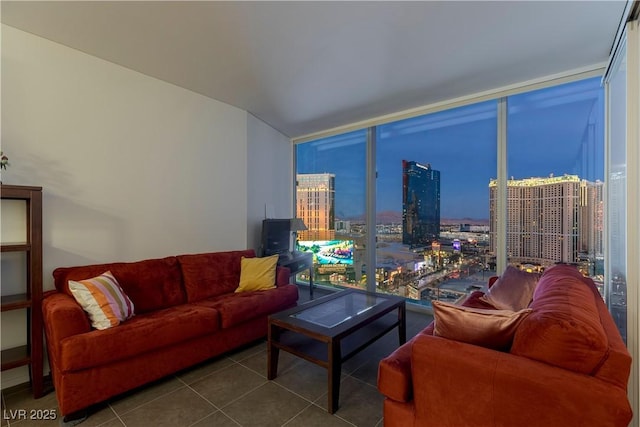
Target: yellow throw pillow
pixel 257 274
pixel 487 328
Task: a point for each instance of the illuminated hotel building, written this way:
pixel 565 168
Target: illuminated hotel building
pixel 315 196
pixel 555 219
pixel 420 204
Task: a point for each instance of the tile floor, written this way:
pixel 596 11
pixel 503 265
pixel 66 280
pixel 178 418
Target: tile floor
pixel 232 390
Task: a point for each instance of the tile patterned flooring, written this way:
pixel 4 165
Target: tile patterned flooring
pixel 233 390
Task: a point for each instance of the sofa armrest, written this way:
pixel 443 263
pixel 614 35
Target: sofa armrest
pixel 63 317
pixel 455 382
pixel 394 371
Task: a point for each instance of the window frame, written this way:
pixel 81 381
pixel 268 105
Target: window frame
pixel 501 96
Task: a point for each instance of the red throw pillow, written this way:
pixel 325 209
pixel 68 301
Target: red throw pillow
pixel 513 290
pixel 484 327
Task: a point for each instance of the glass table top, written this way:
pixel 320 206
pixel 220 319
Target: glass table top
pixel 339 310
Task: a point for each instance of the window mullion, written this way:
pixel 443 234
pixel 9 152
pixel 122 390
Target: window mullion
pixel 501 189
pixel 371 209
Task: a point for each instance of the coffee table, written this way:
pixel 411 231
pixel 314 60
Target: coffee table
pixel 330 330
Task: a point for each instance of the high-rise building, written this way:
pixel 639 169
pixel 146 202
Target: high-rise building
pixel 592 220
pixel 315 205
pixel 554 219
pixel 420 204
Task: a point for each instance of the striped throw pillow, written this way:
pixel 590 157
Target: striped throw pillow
pixel 103 299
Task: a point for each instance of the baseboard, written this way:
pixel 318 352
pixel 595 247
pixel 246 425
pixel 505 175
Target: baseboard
pixel 18 377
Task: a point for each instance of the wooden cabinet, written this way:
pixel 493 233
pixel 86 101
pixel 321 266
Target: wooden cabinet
pixel 30 298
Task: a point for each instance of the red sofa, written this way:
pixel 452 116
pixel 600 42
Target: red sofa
pixel 186 312
pixel 567 366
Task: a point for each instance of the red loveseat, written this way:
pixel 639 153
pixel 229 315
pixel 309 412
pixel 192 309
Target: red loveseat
pixel 186 311
pixel 567 366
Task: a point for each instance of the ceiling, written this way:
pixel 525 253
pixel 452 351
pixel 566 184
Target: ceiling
pixel 309 66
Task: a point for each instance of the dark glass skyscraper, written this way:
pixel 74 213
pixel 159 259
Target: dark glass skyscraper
pixel 420 204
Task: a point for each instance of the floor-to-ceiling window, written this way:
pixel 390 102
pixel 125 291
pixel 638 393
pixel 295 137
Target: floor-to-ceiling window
pixel 623 200
pixel 330 200
pixel 617 190
pixel 555 184
pixel 437 198
pixel 432 219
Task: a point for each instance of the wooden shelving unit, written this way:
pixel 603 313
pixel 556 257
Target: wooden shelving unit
pixel 31 299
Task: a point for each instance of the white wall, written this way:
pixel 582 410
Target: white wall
pixel 270 176
pixel 131 167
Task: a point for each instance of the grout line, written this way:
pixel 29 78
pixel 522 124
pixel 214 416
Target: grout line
pixel 254 371
pixel 219 409
pixel 234 400
pixel 205 375
pixel 346 421
pixel 183 382
pixel 116 414
pixel 148 401
pixel 292 392
pixel 213 413
pixel 296 415
pixel 256 345
pixel 311 403
pixel 361 381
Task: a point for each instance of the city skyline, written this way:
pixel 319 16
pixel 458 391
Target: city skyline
pixel 555 131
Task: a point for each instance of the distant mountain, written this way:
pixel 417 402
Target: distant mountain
pixel 472 221
pixel 388 217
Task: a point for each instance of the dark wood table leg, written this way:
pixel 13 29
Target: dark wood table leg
pixel 272 351
pixel 335 368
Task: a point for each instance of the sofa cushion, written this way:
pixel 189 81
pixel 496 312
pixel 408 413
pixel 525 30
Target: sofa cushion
pixel 257 274
pixel 141 334
pixel 241 307
pixel 513 290
pixel 211 274
pixel 103 300
pixel 564 327
pixel 151 284
pixel 394 371
pixel 487 328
